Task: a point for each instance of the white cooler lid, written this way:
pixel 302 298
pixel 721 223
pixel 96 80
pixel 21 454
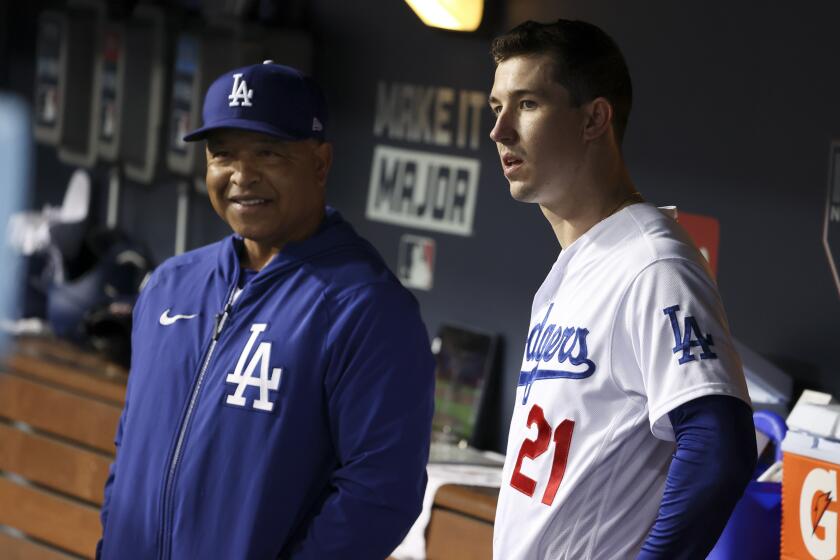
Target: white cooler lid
pixel 815 447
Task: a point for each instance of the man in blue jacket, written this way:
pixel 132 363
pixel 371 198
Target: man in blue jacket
pixel 281 389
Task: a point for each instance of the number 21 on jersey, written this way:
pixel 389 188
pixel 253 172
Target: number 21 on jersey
pixel 533 448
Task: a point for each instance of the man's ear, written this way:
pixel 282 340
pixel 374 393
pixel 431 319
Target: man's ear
pixel 599 118
pixel 323 153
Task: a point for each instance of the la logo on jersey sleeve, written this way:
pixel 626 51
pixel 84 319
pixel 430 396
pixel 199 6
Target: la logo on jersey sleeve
pixel 691 336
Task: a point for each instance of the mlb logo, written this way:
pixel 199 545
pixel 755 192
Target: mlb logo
pixel 416 262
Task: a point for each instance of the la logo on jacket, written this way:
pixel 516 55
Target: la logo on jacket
pixel 243 375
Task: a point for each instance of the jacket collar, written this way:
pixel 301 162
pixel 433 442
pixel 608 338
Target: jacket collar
pixel 333 232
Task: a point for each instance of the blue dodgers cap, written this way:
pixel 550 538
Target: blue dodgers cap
pixel 270 98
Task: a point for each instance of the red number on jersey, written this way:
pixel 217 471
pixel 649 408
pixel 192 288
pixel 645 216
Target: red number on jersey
pixel 533 448
pixel 562 442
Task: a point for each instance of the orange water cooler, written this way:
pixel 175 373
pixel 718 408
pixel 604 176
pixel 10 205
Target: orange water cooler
pixel 810 512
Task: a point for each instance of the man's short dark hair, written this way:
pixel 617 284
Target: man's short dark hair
pixel 588 62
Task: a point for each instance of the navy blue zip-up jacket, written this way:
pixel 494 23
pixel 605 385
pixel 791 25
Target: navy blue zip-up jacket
pixel 292 421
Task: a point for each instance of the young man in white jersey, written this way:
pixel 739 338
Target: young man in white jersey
pixel 632 433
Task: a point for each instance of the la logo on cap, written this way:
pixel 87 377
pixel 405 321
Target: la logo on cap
pixel 240 95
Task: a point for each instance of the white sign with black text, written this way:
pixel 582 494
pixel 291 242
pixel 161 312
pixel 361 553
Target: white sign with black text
pixel 423 190
pixel 418 188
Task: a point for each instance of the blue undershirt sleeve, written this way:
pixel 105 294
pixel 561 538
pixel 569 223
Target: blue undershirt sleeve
pixel 714 461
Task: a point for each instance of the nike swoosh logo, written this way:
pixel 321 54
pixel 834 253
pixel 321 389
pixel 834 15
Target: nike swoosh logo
pixel 166 319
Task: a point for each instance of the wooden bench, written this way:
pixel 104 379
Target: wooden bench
pixel 461 526
pixel 59 409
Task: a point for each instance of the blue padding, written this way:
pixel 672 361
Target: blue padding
pixel 773 426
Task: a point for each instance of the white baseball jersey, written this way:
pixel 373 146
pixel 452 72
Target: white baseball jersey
pixel 627 326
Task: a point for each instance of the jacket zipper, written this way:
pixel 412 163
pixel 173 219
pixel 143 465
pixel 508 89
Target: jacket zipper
pixel 220 320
